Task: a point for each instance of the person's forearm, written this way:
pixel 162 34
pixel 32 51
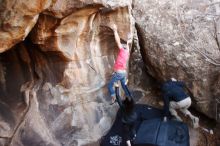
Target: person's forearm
pixel 129 93
pixel 118 98
pixel 166 106
pixel 128 143
pixel 117 39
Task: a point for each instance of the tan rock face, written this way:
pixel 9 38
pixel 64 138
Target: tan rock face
pixel 82 34
pixel 62 8
pixel 17 18
pixel 56 79
pixel 181 39
pixel 53 84
pixel 22 72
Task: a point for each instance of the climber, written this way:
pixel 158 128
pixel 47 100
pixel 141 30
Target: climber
pixel 129 116
pixel 174 98
pixel 120 64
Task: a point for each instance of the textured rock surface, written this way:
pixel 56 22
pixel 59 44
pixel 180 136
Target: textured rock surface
pixel 56 78
pixel 17 18
pixel 181 39
pixel 53 85
pixel 62 8
pixel 83 33
pixel 22 72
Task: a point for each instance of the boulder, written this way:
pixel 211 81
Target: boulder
pixel 63 8
pixel 82 34
pixel 180 39
pixel 17 18
pixel 53 84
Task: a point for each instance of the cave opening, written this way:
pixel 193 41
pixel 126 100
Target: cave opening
pixel 23 68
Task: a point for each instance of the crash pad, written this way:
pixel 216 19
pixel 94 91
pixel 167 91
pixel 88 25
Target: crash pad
pixel 150 130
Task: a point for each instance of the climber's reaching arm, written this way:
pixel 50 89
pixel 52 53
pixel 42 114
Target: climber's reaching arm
pixel 166 105
pixel 130 96
pixel 117 38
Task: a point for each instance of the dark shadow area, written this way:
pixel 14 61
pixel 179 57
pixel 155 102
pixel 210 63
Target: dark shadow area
pixel 150 129
pixel 23 68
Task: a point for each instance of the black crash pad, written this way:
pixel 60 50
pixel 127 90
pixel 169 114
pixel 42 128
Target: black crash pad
pixel 151 131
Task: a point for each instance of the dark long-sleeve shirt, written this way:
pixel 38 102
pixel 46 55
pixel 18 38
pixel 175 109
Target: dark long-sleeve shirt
pixel 127 118
pixel 172 91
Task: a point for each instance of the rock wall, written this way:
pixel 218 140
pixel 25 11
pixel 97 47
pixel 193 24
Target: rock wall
pixel 57 57
pixel 17 19
pixel 181 39
pixel 23 69
pixel 53 84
